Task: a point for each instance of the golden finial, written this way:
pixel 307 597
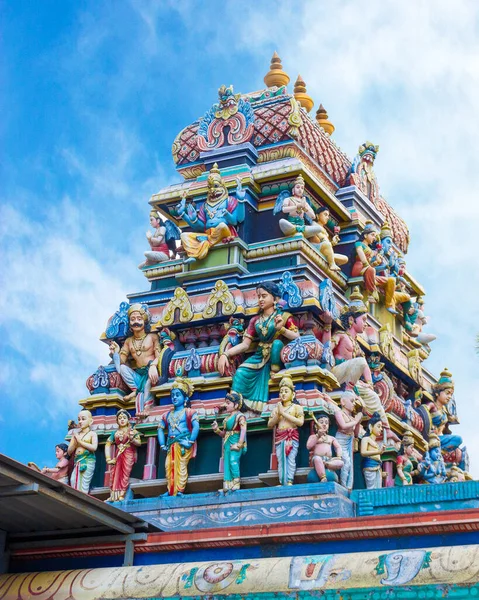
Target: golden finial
pixel 322 120
pixel 276 76
pixel 301 96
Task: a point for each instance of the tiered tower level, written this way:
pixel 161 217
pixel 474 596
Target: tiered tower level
pixel 340 247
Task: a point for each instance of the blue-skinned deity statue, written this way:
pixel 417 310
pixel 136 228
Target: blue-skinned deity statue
pixel 177 433
pixel 215 220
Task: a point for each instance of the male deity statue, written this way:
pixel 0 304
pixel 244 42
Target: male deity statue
pixel 82 447
pixel 349 425
pixel 141 351
pixel 286 416
pixel 351 365
pixel 321 446
pixel 299 213
pixel 215 220
pixel 182 427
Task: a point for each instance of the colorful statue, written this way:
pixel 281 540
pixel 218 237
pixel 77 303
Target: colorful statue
pixel 183 428
pixel 455 474
pixel 320 446
pixel 215 220
pixel 415 319
pixel 431 469
pixel 82 447
pixel 324 243
pixel 167 350
pixel 162 241
pixel 371 450
pixel 350 363
pixel 234 440
pixel 300 213
pixel 286 417
pixel 233 336
pixel 365 262
pixel 252 376
pixel 125 439
pixel 349 426
pixel 142 351
pixel 404 467
pixel 60 472
pixel 443 412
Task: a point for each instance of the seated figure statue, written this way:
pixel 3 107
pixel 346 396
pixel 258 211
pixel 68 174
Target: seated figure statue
pixel 141 351
pixel 321 446
pixel 299 212
pixel 325 244
pixel 431 469
pixel 215 220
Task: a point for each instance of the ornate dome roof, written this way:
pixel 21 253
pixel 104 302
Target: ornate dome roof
pixel 273 116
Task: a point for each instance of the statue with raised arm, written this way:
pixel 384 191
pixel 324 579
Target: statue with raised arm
pixel 349 425
pixel 298 210
pixel 286 417
pixel 137 361
pixel 215 220
pixel 234 440
pixel 371 449
pixel 177 433
pixel 321 446
pixel 351 367
pixel 269 328
pixel 162 241
pixel 82 447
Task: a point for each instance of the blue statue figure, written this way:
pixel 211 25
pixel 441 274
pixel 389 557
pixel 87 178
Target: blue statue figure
pixel 215 220
pixel 180 446
pixel 432 468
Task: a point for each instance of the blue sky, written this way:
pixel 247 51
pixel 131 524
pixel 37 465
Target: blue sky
pixel 94 94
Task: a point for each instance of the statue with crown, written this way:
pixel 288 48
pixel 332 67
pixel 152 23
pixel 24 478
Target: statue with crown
pixel 215 221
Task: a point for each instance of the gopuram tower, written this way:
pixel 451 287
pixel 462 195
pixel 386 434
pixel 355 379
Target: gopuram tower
pixel 266 395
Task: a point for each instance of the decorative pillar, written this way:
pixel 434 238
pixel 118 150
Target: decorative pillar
pixel 149 470
pixel 388 469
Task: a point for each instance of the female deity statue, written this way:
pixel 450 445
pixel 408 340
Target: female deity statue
pixel 234 440
pixel 60 472
pixel 83 446
pixel 126 439
pixel 325 244
pixel 442 412
pixel 404 467
pixel 371 450
pixel 365 262
pixel 321 447
pixel 162 240
pixel 286 416
pixel 268 328
pixel 183 428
